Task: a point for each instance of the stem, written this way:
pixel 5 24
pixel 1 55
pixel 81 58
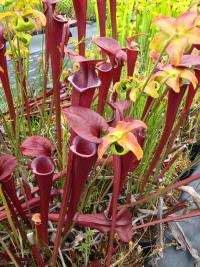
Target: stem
pixel 113 11
pixel 176 156
pixel 174 133
pixel 162 192
pixel 154 105
pixel 84 196
pixel 22 81
pixel 65 200
pixel 8 252
pixel 116 183
pixel 168 219
pixel 174 102
pixel 9 217
pixel 45 79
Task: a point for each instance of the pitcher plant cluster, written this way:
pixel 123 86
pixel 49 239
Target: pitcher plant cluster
pixel 96 119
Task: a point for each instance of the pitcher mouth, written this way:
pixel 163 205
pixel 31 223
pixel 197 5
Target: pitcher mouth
pixel 83 148
pixel 60 18
pixel 78 86
pixel 42 166
pixel 6 179
pixel 104 67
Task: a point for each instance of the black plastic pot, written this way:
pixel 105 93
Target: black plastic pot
pixel 147 245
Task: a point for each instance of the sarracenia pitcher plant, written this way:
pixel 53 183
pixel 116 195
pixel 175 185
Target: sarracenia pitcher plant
pixel 92 136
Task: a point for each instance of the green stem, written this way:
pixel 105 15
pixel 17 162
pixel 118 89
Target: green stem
pixel 156 103
pixel 21 79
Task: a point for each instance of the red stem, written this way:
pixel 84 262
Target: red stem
pixel 168 219
pixel 9 188
pixel 147 106
pixel 37 256
pixel 116 184
pixel 113 11
pixel 5 80
pixel 64 203
pixel 27 190
pixel 48 13
pixel 167 189
pixel 101 5
pixel 189 100
pixel 80 7
pixel 31 204
pixel 174 101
